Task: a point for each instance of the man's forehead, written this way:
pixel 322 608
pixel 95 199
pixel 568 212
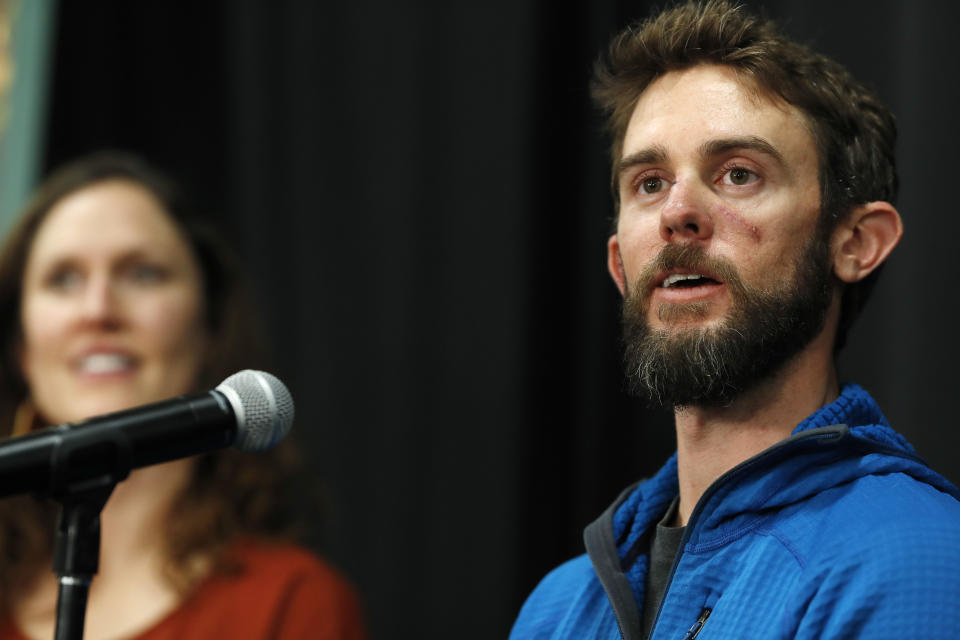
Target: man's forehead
pixel 684 107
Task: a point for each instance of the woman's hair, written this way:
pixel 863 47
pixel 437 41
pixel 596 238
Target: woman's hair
pixel 230 493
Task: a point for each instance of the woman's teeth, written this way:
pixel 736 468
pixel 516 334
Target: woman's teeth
pixel 105 363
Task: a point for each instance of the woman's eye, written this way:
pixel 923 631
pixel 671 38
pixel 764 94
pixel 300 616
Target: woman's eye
pixel 146 274
pixel 64 279
pixel 651 184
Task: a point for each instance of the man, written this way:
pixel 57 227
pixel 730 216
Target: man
pixel 753 180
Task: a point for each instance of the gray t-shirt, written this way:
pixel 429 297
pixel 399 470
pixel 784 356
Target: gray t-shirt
pixel 664 545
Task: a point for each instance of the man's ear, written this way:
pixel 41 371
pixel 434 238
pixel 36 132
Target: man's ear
pixel 615 264
pixel 864 240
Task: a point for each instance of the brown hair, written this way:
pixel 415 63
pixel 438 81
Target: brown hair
pixel 853 131
pixel 230 493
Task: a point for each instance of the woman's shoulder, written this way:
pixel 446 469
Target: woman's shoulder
pixel 250 558
pixel 275 590
pixel 8 630
pixel 267 591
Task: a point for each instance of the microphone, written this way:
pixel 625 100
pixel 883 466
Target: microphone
pixel 251 410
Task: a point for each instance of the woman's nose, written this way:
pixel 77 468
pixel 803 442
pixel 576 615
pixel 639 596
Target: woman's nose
pixel 99 303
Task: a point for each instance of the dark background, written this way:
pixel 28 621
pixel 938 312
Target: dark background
pixel 419 190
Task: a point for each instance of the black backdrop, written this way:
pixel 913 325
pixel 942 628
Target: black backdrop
pixel 420 192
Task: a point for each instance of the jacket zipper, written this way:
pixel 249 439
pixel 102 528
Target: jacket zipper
pixel 694 631
pixel 831 433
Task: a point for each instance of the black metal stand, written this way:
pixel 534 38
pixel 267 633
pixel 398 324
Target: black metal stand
pixel 82 496
pixel 76 556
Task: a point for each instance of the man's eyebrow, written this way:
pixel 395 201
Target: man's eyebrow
pixel 723 145
pixel 654 154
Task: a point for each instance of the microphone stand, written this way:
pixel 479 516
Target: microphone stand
pixel 76 556
pixel 76 549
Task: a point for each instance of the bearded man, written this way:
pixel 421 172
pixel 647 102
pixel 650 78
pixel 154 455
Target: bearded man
pixel 754 181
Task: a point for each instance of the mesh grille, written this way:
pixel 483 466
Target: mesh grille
pixel 263 406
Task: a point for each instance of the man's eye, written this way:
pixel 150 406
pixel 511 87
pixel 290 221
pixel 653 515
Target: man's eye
pixel 652 184
pixel 740 176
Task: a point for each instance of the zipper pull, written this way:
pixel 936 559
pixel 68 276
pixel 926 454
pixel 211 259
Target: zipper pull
pixel 698 625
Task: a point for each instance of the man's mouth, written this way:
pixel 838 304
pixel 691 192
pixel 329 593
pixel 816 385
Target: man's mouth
pixel 686 280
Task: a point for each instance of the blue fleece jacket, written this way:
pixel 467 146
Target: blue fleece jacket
pixel 838 532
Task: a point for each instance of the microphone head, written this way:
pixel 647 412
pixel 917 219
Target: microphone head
pixel 263 408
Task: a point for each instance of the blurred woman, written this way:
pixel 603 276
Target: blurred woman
pixel 114 294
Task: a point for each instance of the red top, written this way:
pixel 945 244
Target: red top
pixel 281 593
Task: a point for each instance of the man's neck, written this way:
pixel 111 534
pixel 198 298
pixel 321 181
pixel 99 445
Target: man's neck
pixel 711 441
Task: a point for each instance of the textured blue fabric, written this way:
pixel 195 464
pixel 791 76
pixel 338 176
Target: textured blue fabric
pixel 853 539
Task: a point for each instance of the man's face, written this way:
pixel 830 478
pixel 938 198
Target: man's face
pixel 716 252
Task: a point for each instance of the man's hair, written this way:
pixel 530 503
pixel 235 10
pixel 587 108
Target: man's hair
pixel 853 131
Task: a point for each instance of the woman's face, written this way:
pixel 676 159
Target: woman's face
pixel 112 308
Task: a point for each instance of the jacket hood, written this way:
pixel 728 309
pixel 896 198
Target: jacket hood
pixel 843 441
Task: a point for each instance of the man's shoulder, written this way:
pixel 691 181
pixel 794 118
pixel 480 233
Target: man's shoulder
pixel 569 577
pixel 883 557
pixel 569 602
pixel 568 582
pixel 878 523
pixel 888 502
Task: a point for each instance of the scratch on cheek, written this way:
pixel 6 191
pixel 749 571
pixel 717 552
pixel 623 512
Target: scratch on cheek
pixel 740 224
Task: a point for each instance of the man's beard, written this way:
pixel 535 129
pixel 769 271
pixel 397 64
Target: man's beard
pixel 711 367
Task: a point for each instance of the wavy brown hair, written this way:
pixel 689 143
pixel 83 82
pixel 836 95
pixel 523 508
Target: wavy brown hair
pixel 231 494
pixel 853 131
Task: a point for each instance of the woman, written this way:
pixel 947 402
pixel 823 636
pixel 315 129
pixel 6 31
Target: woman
pixel 113 295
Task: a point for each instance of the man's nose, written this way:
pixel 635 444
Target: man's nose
pixel 685 215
